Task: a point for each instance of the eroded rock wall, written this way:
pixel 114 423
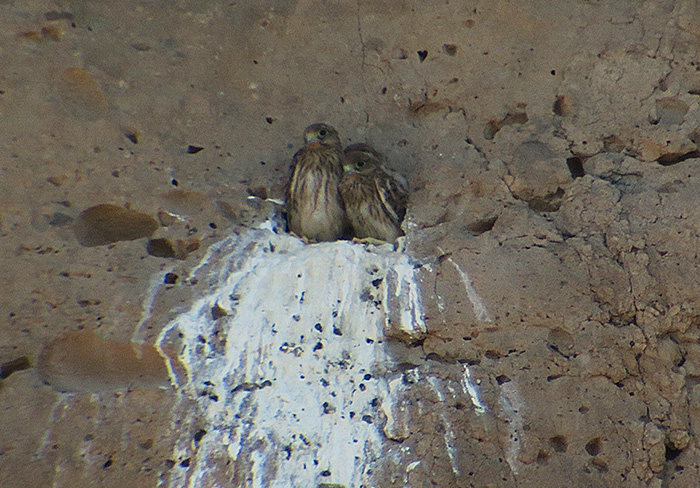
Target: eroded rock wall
pixel 552 151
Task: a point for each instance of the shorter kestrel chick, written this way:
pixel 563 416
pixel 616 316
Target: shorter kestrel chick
pixel 374 197
pixel 314 207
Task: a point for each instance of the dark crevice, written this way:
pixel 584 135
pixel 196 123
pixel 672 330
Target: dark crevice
pixel 672 453
pixel 548 203
pixel 670 159
pixel 481 226
pixel 622 181
pixel 575 165
pixel 500 379
pixel 494 126
pixel 433 356
pixel 13 366
pixel 247 386
pixel 555 349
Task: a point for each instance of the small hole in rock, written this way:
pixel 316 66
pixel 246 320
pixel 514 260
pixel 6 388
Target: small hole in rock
pixel 160 248
pixel 491 129
pixel 481 226
pixel 575 165
pixel 449 49
pixel 559 443
pixel 593 446
pixel 500 379
pixel 199 434
pixel 672 453
pixel 492 354
pixel 217 312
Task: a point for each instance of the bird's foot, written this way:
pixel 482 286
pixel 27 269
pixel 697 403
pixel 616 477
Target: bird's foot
pixel 369 241
pixel 400 244
pixel 303 239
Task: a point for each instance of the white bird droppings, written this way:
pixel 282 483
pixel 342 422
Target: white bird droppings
pixel 480 310
pixel 470 389
pixel 512 407
pixel 289 385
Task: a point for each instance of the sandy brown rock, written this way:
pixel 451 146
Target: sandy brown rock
pixel 84 362
pixel 80 94
pixel 554 218
pixel 105 224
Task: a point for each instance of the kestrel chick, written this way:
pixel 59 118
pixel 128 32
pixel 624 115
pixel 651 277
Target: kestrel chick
pixel 374 197
pixel 314 207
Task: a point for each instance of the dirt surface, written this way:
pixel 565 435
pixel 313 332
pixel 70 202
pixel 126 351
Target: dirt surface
pixel 552 150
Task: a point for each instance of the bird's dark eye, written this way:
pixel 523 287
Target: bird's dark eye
pixel 360 164
pixel 322 132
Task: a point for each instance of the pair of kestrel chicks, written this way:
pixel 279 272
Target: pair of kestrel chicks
pixel 335 193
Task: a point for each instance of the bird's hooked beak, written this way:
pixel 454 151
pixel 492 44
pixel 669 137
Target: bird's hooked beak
pixel 349 168
pixel 312 137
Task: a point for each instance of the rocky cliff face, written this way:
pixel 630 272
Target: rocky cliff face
pixel 539 327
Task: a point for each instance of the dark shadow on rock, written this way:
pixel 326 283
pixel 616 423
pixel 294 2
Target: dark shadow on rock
pixel 105 224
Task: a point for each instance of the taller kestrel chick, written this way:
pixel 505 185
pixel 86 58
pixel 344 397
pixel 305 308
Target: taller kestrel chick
pixel 314 207
pixel 374 197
